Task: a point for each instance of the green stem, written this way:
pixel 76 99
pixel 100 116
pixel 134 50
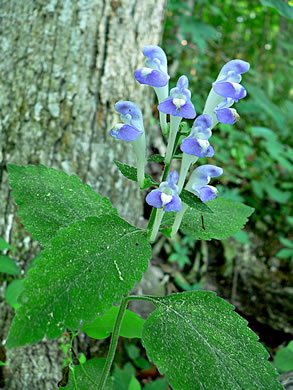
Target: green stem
pixel 147 298
pixel 113 345
pixel 73 376
pixel 157 224
pixel 178 219
pixel 187 161
pixel 174 126
pixel 154 210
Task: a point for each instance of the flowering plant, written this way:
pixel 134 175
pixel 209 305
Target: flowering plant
pixel 93 258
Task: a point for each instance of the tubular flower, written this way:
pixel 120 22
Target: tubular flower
pixel 197 144
pixel 199 180
pixel 179 104
pixel 225 91
pixel 156 72
pixel 166 196
pixel 132 126
pixel 132 130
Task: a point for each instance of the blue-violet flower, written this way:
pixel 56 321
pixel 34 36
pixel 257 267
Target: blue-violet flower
pixel 199 180
pixel 197 144
pixel 132 130
pixel 225 91
pixel 166 196
pixel 156 72
pixel 179 104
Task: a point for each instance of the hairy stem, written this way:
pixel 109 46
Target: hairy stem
pixel 113 345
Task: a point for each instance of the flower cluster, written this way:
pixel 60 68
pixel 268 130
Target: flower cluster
pixel 225 91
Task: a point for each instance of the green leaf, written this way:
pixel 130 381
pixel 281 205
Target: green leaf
pixel 285 253
pixel 133 351
pixel 276 194
pixel 284 359
pixel 156 158
pixel 286 242
pixel 49 200
pixel 158 384
pixel 134 384
pixel 13 291
pixel 229 216
pixel 194 202
pixel 268 134
pixel 122 378
pixel 201 343
pixel 5 245
pixel 102 327
pixel 2 364
pixel 86 374
pixel 8 265
pixel 283 8
pixel 87 268
pixel 142 363
pixel 131 174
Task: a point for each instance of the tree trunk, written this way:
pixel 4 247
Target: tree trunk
pixel 63 66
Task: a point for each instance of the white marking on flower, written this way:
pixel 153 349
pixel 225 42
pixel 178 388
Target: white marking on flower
pixel 179 102
pixel 146 71
pixel 237 87
pixel 204 144
pixel 165 199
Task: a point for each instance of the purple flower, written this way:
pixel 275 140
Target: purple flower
pixel 166 196
pixel 197 144
pixel 226 91
pixel 156 72
pixel 132 126
pixel 228 86
pixel 179 104
pixel 227 83
pixel 199 180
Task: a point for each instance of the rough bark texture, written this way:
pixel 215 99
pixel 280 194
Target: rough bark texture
pixel 63 66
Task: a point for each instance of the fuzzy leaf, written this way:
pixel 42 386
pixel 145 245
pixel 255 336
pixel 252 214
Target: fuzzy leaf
pixel 49 200
pixel 88 381
pixel 194 202
pixel 227 218
pixel 156 158
pixel 87 268
pixel 201 343
pixel 102 327
pixel 131 174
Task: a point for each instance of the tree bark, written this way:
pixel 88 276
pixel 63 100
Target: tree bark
pixel 64 65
